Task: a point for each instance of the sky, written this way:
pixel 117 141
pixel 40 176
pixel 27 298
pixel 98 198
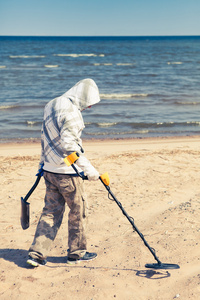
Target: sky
pixel 99 17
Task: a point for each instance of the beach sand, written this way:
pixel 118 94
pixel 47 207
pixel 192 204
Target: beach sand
pixel 156 180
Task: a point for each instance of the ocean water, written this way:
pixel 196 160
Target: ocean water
pixel 149 86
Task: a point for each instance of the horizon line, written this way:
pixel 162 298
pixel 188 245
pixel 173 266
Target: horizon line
pixel 160 35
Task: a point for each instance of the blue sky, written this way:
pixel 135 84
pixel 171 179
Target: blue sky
pixel 104 17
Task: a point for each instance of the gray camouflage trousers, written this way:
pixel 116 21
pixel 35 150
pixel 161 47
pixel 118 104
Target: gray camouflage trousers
pixel 61 189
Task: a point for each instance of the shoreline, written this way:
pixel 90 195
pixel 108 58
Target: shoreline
pixel 33 147
pixel 16 141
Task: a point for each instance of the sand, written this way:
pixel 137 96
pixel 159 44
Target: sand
pixel 157 182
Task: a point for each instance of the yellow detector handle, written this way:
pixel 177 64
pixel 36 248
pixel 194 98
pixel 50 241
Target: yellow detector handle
pixel 70 159
pixel 105 178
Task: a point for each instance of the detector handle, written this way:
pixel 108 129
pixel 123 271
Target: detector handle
pixel 73 157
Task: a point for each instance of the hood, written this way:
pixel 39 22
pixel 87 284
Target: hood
pixel 83 94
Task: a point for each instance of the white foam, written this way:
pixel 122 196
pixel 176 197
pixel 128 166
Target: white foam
pixel 121 96
pixel 30 123
pixel 110 64
pixel 142 131
pixel 51 66
pixel 103 64
pixel 193 122
pixel 106 124
pixel 124 64
pixel 26 56
pixel 7 107
pixel 79 55
pixel 175 63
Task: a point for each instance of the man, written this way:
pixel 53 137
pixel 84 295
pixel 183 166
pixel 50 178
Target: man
pixel 61 135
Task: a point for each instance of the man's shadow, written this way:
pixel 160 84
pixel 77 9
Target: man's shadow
pixel 19 257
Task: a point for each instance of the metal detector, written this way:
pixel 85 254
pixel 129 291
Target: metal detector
pixel 70 160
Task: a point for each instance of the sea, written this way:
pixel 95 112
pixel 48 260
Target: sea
pixel 149 86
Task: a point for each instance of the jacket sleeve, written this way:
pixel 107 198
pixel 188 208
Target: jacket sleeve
pixel 87 167
pixel 71 142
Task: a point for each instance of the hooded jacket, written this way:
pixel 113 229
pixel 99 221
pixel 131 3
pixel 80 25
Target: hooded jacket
pixel 63 125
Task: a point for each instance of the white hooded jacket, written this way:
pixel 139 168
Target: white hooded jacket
pixel 62 128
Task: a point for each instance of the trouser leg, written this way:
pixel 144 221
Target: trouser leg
pixel 50 221
pixel 77 219
pixel 77 203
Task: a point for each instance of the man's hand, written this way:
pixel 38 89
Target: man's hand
pixel 93 175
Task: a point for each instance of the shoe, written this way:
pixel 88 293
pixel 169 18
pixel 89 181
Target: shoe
pixel 87 257
pixel 36 262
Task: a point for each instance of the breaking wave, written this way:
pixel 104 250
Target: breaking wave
pixel 27 56
pixel 116 64
pixel 121 96
pixel 174 63
pixel 106 124
pixel 32 123
pixel 79 55
pixel 187 103
pixel 4 107
pixel 51 66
